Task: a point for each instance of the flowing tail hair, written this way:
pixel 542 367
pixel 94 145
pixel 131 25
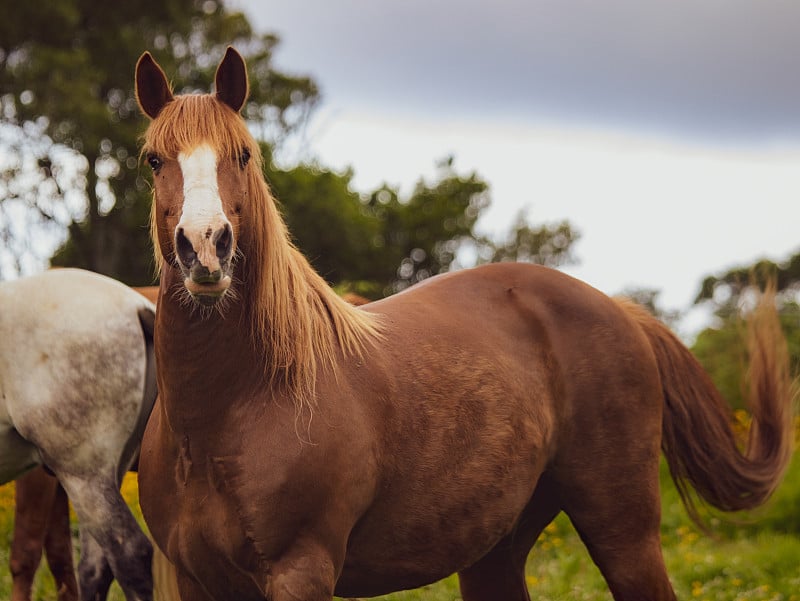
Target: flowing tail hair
pixel 697 438
pixel 165 583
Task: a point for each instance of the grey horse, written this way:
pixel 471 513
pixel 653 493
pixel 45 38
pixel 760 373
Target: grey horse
pixel 77 384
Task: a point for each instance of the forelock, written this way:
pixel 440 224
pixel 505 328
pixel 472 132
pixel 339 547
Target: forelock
pixel 193 119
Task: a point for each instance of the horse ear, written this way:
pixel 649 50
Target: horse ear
pixel 152 88
pixel 231 80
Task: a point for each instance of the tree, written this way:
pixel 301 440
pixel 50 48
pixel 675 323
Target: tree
pixel 66 75
pixel 648 298
pixel 727 291
pixel 721 349
pixel 379 243
pixel 549 245
pixel 72 165
pixel 34 173
pixel 327 221
pixel 420 236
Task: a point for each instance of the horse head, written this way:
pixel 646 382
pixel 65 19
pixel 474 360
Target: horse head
pixel 199 150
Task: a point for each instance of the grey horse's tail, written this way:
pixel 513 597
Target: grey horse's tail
pixel 147 319
pixel 165 583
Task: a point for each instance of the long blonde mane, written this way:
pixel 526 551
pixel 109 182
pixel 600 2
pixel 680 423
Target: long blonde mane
pixel 297 321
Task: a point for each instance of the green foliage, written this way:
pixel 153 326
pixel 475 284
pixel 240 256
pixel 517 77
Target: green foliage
pixel 722 351
pixel 727 290
pixel 66 76
pixel 420 236
pixel 380 243
pixel 327 221
pixel 543 245
pixel 67 81
pixel 648 298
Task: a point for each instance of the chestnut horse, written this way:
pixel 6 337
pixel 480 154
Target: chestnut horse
pixel 41 522
pixel 77 377
pixel 301 447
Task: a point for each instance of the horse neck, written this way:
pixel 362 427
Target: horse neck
pixel 202 359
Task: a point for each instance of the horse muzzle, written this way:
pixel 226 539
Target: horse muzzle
pixel 209 288
pixel 205 262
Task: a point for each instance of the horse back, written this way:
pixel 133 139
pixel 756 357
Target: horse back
pixel 525 323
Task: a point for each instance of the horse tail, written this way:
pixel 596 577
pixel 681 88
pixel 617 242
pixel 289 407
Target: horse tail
pixel 165 582
pixel 698 440
pixel 147 318
pixel 147 321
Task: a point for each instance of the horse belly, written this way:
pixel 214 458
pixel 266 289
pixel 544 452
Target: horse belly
pixel 424 531
pixel 415 549
pixel 17 455
pixel 464 456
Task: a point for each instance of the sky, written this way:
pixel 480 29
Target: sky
pixel 666 133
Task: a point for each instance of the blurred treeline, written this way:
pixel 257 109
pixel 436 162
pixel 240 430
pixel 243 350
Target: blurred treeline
pixel 73 191
pixel 71 169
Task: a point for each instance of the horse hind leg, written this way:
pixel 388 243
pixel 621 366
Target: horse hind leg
pixel 618 519
pixel 500 574
pixel 630 561
pixel 94 570
pixel 495 576
pixel 109 532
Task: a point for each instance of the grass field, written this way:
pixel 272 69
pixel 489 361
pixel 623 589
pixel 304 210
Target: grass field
pixel 758 560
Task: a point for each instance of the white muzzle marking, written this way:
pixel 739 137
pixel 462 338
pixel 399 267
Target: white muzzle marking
pixel 202 213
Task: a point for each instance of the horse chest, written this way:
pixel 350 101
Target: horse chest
pixel 201 521
pixel 228 512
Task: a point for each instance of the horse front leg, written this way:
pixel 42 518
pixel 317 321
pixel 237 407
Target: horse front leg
pixel 36 497
pixel 306 572
pixel 58 547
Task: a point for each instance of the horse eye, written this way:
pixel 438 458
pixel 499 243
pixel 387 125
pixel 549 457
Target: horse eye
pixel 244 158
pixel 154 161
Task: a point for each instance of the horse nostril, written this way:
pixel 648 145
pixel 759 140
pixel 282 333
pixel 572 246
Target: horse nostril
pixel 184 249
pixel 223 240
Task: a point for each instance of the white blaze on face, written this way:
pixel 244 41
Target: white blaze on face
pixel 202 214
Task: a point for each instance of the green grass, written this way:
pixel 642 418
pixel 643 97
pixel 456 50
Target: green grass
pixel 757 560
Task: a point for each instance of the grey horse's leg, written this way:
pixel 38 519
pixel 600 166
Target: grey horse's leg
pixel 108 528
pixel 94 572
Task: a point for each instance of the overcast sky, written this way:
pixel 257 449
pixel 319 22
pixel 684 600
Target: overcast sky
pixel 668 133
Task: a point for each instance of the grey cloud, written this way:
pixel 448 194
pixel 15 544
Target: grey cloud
pixel 710 68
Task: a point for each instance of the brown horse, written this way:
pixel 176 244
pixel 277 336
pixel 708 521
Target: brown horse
pixel 301 447
pixel 41 522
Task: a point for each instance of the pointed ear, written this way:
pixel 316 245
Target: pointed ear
pixel 231 80
pixel 152 88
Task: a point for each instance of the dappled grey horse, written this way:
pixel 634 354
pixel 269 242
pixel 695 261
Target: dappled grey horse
pixel 77 385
